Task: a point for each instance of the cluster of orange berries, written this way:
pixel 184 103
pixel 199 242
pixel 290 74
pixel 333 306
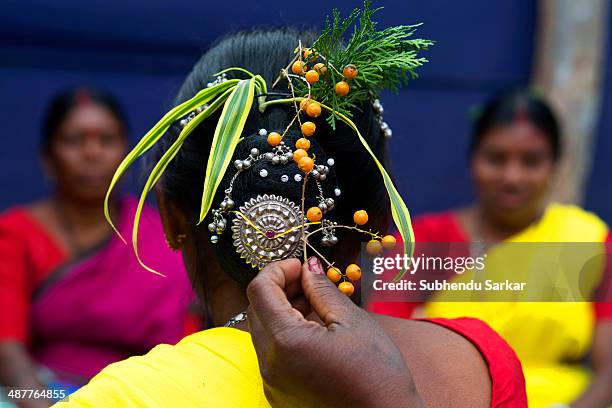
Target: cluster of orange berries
pixel 312 75
pixel 351 274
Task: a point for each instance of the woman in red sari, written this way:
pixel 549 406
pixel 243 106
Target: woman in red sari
pixel 73 297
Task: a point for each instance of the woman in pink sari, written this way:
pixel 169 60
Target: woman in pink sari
pixel 73 298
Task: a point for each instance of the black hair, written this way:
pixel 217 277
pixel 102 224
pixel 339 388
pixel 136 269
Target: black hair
pixel 62 104
pixel 519 104
pixel 265 52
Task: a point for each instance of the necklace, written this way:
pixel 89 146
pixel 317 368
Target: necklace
pixel 239 318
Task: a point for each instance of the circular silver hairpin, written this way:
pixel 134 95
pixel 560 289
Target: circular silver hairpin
pixel 262 237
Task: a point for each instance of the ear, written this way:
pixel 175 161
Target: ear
pixel 173 220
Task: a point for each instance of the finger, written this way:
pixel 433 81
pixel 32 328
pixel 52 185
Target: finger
pixel 301 304
pixel 267 294
pixel 331 305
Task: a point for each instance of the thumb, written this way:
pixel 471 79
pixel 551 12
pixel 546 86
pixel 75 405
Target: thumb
pixel 325 299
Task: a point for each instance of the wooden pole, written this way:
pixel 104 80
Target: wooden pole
pixel 569 61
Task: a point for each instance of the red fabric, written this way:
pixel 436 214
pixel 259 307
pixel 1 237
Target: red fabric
pixel 507 380
pixel 441 227
pixel 603 308
pixel 27 255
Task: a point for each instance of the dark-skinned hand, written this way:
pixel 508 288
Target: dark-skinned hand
pixel 336 356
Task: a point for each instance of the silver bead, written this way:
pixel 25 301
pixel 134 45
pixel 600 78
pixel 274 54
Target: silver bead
pixel 323 207
pixel 238 164
pixel 337 192
pixel 284 178
pixel 275 160
pixel 214 239
pixel 284 159
pixel 212 227
pixel 230 203
pixel 320 168
pixel 388 133
pixel 263 132
pixel 209 85
pixel 224 205
pixel 263 173
pixel 297 177
pixel 269 156
pixel 247 163
pixel 322 177
pixel 381 110
pixel 331 162
pixel 184 122
pixel 330 203
pixel 384 126
pixel 221 225
pixel 254 152
pixel 333 240
pixel 289 155
pixel 325 241
pixel 376 105
pixel 315 174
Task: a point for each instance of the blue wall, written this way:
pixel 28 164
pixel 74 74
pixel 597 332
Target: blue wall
pixel 141 50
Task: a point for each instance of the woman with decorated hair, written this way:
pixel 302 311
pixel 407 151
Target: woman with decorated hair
pixel 275 151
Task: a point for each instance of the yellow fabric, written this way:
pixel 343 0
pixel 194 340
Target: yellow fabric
pixel 543 334
pixel 212 368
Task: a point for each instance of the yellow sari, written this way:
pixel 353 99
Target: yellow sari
pixel 212 368
pixel 545 335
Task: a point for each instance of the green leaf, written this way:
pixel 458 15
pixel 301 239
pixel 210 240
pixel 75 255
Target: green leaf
pixel 163 162
pixel 226 138
pixel 399 211
pixel 160 128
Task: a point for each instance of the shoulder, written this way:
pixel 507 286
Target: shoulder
pixel 576 222
pixel 450 357
pixel 201 370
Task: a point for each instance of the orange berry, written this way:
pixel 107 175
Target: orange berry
pixel 306 164
pixel 334 274
pixel 320 68
pixel 353 272
pixel 314 214
pixel 302 143
pixel 304 104
pixel 388 242
pixel 274 138
pixel 298 67
pixel 313 109
pixel 347 288
pixel 308 129
pixel 360 217
pixel 312 76
pixel 350 71
pixel 299 154
pixel 310 54
pixel 373 247
pixel 342 88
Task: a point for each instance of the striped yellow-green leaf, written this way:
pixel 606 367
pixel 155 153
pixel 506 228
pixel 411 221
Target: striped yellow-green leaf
pixel 157 131
pixel 163 162
pixel 226 137
pixel 399 211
